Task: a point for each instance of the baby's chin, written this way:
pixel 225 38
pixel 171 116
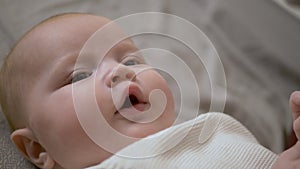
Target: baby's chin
pixel 140 131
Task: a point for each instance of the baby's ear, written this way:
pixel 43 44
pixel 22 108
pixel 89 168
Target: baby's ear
pixel 31 148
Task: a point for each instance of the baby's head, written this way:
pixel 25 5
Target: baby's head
pixel 36 95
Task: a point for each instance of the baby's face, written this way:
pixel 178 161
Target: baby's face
pixel 52 116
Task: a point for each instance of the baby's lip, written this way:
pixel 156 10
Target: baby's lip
pixel 137 92
pixel 133 98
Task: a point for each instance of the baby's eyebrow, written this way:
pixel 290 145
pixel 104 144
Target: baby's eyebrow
pixel 125 47
pixel 67 60
pixel 64 65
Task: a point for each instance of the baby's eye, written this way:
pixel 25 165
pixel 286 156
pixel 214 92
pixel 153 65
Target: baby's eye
pixel 80 76
pixel 131 62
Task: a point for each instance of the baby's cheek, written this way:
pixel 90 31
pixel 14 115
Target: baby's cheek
pixel 66 141
pixel 159 82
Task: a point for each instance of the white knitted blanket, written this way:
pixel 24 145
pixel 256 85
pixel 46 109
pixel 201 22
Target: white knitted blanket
pixel 212 140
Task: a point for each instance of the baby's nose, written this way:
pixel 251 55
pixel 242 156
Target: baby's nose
pixel 121 73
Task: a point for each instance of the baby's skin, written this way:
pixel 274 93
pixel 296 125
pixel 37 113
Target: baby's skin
pixel 48 131
pixel 290 159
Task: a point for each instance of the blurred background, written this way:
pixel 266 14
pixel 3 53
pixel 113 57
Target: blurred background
pixel 258 42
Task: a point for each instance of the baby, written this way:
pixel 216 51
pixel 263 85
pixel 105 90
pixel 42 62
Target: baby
pixel 36 96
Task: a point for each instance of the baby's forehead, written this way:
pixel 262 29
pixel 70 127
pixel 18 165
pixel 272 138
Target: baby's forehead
pixel 58 35
pixel 54 28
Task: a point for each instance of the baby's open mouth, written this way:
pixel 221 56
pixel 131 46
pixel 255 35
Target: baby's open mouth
pixel 130 100
pixel 134 102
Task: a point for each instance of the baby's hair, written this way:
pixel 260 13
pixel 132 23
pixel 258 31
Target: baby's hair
pixel 16 79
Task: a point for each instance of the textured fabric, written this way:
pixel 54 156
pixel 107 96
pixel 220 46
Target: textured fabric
pixel 212 140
